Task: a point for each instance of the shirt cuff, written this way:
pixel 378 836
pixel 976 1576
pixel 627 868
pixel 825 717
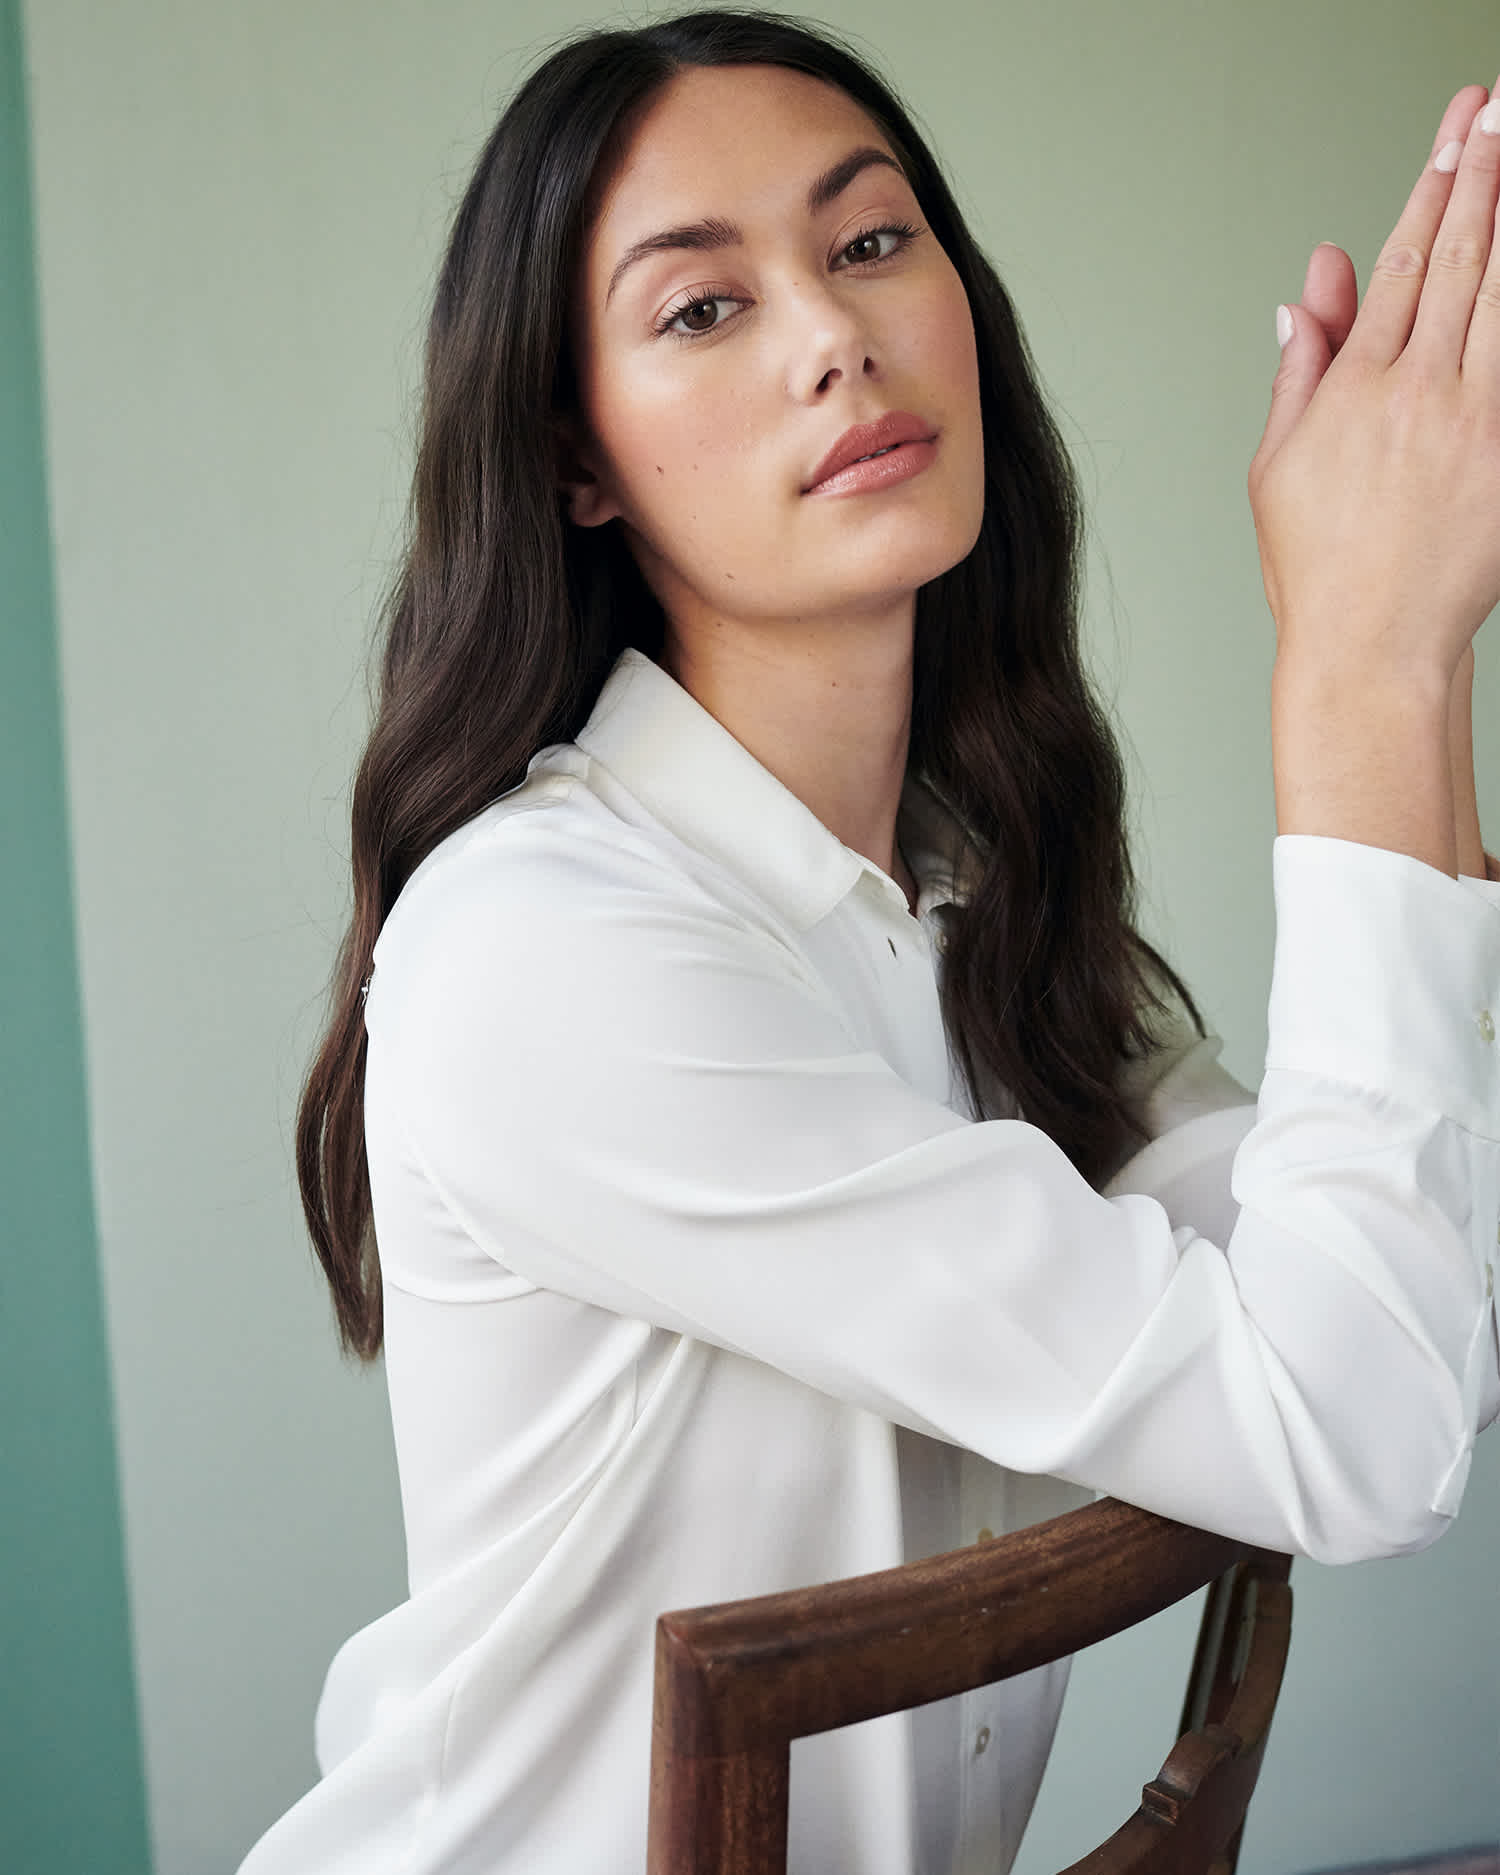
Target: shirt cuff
pixel 1387 976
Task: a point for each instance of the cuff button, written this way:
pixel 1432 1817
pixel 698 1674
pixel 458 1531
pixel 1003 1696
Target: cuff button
pixel 1486 1026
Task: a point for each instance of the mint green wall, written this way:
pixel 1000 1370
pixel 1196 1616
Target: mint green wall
pixel 71 1796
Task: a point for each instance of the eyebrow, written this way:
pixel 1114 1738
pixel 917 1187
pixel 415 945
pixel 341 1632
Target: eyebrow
pixel 714 232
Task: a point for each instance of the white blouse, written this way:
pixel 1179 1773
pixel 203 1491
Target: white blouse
pixel 703 1280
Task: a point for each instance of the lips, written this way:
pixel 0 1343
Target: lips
pixel 867 439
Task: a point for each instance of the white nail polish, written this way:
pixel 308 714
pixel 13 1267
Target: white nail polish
pixel 1285 327
pixel 1489 118
pixel 1447 158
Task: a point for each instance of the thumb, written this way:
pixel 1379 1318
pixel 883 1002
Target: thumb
pixel 1305 356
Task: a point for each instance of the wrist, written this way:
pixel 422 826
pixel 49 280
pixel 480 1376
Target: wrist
pixel 1338 682
pixel 1361 754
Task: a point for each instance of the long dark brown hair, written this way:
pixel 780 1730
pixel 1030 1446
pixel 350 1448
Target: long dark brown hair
pixel 504 622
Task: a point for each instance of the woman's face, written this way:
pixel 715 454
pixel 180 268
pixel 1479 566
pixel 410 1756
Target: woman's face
pixel 758 281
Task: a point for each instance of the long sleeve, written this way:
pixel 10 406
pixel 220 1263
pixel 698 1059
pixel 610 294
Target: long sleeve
pixel 1197 1116
pixel 629 1092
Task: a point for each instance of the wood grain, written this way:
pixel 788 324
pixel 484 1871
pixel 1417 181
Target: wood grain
pixel 736 1682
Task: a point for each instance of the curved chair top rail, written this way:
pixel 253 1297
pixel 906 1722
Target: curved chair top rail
pixel 800 1661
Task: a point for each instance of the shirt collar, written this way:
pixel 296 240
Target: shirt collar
pixel 685 767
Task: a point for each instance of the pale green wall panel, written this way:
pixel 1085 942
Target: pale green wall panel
pixel 71 1794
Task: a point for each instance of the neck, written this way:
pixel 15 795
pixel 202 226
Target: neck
pixel 825 705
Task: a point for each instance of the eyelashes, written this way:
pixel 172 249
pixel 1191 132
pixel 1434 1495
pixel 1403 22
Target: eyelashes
pixel 697 299
pixel 700 297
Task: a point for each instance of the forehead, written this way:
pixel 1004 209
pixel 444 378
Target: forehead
pixel 724 139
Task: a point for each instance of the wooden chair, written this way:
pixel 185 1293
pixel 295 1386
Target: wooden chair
pixel 737 1682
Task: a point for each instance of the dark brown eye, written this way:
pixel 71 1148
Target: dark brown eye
pixel 864 247
pixel 875 244
pixel 701 316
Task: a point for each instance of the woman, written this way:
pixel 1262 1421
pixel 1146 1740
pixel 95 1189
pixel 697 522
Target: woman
pixel 785 1156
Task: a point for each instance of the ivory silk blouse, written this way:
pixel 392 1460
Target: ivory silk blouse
pixel 702 1279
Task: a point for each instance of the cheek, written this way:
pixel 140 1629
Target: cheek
pixel 636 436
pixel 951 357
pixel 948 339
pixel 674 446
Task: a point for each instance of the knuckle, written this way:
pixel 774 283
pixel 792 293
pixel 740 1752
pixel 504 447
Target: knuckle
pixel 1488 296
pixel 1460 253
pixel 1401 260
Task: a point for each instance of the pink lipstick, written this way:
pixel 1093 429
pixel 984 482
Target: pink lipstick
pixel 875 455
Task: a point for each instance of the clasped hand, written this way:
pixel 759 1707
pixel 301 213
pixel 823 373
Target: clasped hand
pixel 1376 498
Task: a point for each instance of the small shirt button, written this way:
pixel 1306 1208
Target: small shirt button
pixel 981 1740
pixel 1486 1026
pixel 986 1535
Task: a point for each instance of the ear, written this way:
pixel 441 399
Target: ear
pixel 590 502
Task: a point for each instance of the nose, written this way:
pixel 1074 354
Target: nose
pixel 827 341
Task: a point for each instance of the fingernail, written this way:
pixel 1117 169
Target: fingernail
pixel 1447 158
pixel 1489 118
pixel 1285 327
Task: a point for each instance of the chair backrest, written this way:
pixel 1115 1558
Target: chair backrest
pixel 737 1682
